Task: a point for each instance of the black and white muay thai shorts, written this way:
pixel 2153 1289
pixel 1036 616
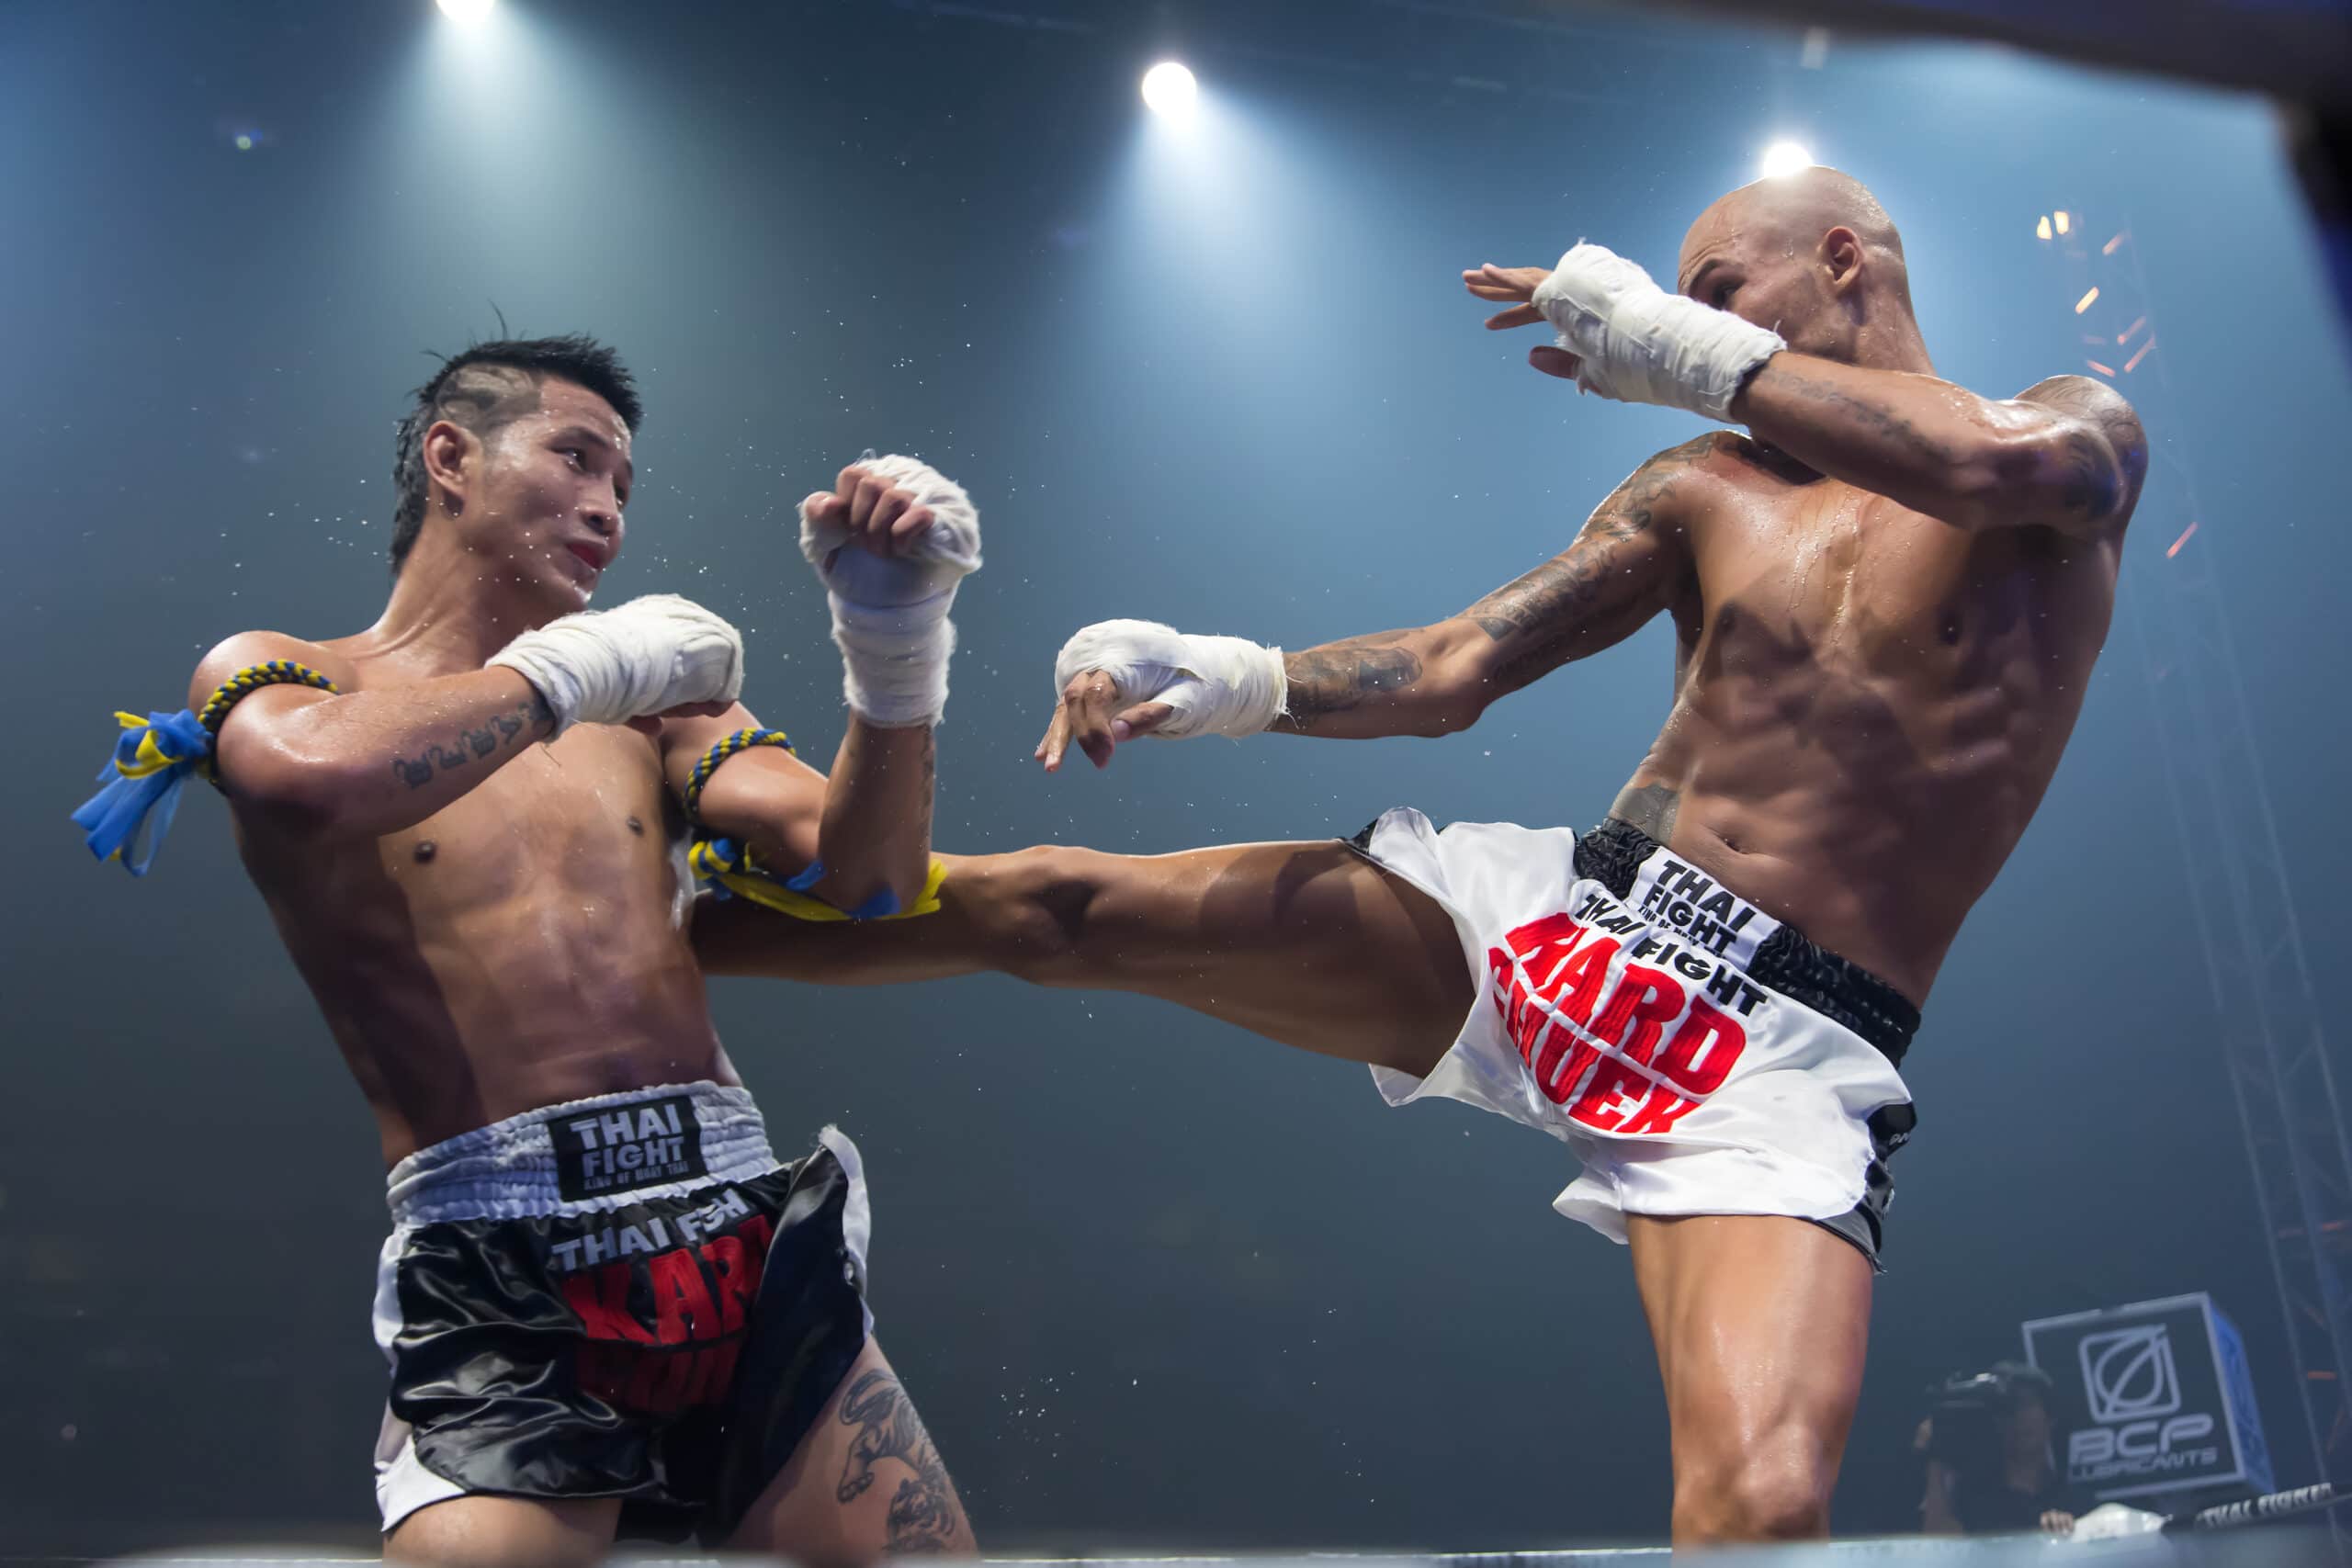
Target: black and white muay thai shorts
pixel 627 1296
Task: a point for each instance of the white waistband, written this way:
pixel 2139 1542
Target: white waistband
pixel 507 1171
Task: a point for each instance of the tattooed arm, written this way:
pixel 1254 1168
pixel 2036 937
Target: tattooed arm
pixel 1624 567
pixel 2068 453
pixel 870 821
pixel 365 763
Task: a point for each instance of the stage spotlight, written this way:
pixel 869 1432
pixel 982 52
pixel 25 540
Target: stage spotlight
pixel 466 13
pixel 1785 158
pixel 1170 91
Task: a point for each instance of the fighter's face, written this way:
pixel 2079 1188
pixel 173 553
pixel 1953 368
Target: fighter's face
pixel 1735 259
pixel 546 505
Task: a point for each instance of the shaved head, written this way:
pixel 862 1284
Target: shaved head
pixel 1810 254
pixel 1797 210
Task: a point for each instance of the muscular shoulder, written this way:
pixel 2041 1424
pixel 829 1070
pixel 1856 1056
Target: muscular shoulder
pixel 2093 401
pixel 1735 458
pixel 2084 395
pixel 1668 480
pixel 2110 427
pixel 1670 492
pixel 1720 457
pixel 247 649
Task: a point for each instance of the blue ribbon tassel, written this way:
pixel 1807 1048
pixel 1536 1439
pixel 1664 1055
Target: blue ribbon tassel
pixel 152 758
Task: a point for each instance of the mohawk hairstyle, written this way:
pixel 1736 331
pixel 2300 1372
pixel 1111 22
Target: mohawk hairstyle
pixel 486 387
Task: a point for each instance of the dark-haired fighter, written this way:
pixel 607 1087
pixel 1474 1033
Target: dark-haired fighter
pixel 605 1302
pixel 1886 599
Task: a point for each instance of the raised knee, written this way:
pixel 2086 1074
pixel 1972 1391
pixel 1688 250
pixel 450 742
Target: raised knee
pixel 1779 1494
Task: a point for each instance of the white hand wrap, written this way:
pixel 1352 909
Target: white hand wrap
pixel 640 659
pixel 1218 685
pixel 890 612
pixel 1640 344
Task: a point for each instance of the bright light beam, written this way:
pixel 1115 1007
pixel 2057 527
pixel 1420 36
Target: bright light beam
pixel 466 13
pixel 1785 158
pixel 1169 91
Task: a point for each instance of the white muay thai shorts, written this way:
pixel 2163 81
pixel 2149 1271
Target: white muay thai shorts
pixel 1699 1057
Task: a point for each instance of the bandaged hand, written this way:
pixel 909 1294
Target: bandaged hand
pixel 1621 336
pixel 891 541
pixel 642 659
pixel 1117 680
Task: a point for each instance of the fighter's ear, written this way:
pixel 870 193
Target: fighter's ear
pixel 446 446
pixel 1841 252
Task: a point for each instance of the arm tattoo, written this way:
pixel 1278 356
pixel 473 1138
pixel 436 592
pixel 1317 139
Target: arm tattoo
pixel 1650 808
pixel 1542 619
pixel 1883 422
pixel 924 1516
pixel 531 717
pixel 1342 675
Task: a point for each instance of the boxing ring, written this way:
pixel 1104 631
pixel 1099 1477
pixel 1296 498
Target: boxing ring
pixel 2280 1529
pixel 2279 1546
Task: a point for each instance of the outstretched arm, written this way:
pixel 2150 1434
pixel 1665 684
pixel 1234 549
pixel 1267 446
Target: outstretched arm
pixel 1626 566
pixel 2066 454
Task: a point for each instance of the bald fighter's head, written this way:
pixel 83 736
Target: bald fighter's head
pixel 1812 255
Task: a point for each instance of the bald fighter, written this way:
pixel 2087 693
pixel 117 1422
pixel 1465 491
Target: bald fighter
pixel 1887 597
pixel 607 1306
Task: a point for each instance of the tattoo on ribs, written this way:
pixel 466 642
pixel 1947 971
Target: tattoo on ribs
pixel 1650 808
pixel 923 1513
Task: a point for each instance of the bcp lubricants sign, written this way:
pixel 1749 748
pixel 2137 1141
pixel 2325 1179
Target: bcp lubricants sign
pixel 2151 1397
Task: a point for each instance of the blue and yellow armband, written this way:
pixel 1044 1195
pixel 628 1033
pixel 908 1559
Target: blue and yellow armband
pixel 152 758
pixel 729 868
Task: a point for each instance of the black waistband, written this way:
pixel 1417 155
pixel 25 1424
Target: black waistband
pixel 1813 976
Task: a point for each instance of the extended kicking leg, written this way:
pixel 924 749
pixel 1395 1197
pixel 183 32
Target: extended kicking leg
pixel 1307 944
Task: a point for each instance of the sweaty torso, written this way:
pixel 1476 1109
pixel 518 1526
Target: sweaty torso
pixel 523 946
pixel 1869 704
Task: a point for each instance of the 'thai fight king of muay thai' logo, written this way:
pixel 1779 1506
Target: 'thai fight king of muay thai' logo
pixel 623 1147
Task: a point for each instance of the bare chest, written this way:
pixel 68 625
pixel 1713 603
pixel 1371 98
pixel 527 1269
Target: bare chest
pixel 1830 578
pixel 589 811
